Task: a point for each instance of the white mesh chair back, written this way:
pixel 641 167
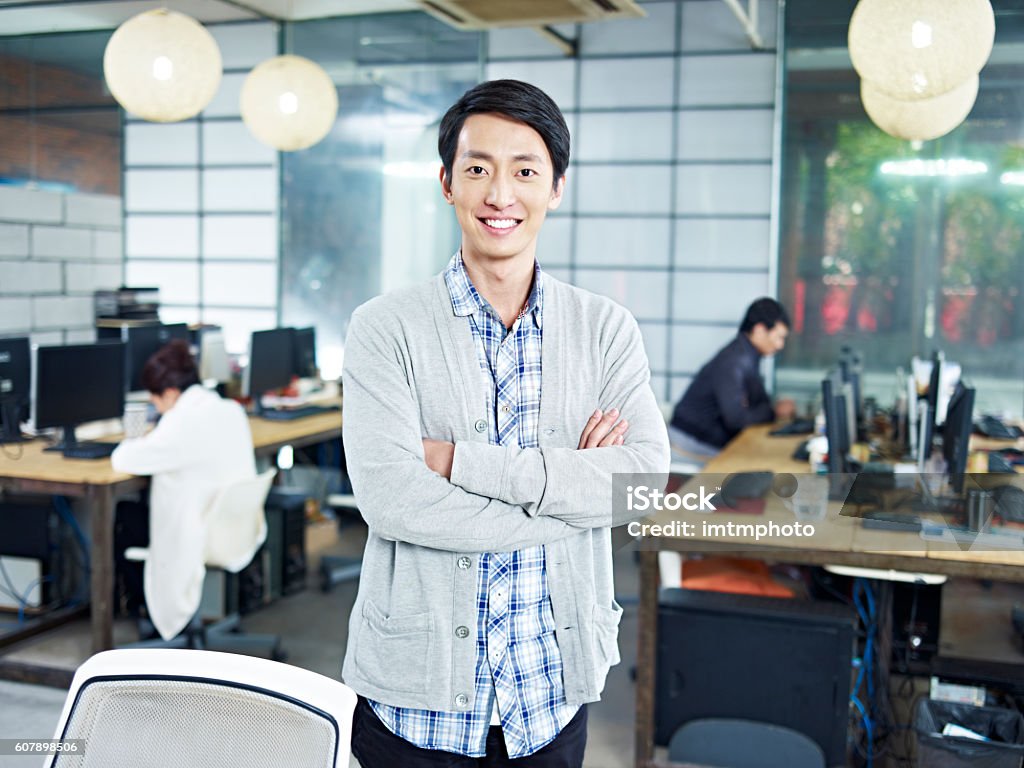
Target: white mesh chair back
pixel 236 523
pixel 154 708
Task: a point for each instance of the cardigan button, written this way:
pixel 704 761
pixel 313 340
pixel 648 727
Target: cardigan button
pixel 461 700
pixel 464 563
pixel 480 426
pixel 462 632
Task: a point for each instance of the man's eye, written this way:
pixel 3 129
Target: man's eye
pixel 528 172
pixel 476 169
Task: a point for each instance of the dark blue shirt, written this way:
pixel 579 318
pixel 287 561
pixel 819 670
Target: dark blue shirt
pixel 727 395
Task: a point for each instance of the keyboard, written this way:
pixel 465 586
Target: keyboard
pixel 89 450
pixel 290 414
pixel 990 426
pixel 795 427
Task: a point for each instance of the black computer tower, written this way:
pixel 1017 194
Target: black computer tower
pixel 785 662
pixel 286 539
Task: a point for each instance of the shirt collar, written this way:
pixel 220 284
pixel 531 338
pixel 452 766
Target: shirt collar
pixel 467 301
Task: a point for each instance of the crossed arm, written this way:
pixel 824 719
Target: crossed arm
pixel 493 498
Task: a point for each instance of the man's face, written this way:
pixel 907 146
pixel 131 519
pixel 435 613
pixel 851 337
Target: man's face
pixel 768 341
pixel 502 187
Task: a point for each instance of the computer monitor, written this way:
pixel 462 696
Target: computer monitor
pixel 76 384
pixel 141 343
pixel 304 340
pixel 851 370
pixel 932 398
pixel 833 404
pixel 214 363
pixel 15 387
pixel 956 435
pixel 271 362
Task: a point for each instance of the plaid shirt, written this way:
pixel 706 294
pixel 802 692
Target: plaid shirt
pixel 517 659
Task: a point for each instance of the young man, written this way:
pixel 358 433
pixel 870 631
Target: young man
pixel 482 428
pixel 728 393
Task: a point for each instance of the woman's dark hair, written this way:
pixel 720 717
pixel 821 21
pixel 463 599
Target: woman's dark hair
pixel 170 367
pixel 516 100
pixel 766 311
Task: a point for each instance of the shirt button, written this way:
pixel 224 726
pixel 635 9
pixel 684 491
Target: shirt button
pixel 480 426
pixel 462 632
pixel 461 700
pixel 464 563
pixel 506 409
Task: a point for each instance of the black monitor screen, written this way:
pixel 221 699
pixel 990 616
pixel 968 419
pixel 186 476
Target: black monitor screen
pixel 271 360
pixel 305 352
pixel 15 371
pixel 79 383
pixel 142 343
pixel 933 405
pixel 15 386
pixel 834 406
pixel 956 435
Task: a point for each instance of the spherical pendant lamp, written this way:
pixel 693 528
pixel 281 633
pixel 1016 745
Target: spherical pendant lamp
pixel 162 66
pixel 923 119
pixel 918 49
pixel 289 102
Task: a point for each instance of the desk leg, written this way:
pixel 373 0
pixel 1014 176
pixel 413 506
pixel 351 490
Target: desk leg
pixel 645 656
pixel 100 506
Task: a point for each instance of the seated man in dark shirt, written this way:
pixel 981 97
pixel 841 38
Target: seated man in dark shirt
pixel 728 393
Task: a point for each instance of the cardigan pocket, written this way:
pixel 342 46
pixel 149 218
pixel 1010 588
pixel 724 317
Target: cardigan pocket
pixel 392 648
pixel 606 635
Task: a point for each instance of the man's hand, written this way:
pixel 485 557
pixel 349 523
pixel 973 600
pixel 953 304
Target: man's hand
pixel 439 456
pixel 602 430
pixel 785 409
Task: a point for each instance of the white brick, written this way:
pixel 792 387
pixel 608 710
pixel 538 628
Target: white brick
pixel 30 205
pixel 94 210
pixel 61 243
pixel 106 246
pixel 30 277
pixel 62 312
pixel 80 336
pixel 14 240
pixel 47 338
pixel 15 315
pixel 86 278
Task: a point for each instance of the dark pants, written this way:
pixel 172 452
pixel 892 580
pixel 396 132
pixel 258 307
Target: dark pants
pixel 131 529
pixel 377 747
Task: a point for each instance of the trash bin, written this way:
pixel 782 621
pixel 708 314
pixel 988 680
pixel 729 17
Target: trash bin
pixel 1003 727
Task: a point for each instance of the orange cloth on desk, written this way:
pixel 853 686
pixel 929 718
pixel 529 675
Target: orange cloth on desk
pixel 732 574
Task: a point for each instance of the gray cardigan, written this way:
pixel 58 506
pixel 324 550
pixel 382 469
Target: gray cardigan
pixel 411 371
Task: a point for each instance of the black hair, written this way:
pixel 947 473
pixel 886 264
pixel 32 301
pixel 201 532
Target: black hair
pixel 766 311
pixel 170 367
pixel 513 99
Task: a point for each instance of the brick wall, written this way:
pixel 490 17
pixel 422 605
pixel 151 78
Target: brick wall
pixel 55 250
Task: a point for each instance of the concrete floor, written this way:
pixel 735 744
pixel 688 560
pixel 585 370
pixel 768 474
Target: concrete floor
pixel 313 627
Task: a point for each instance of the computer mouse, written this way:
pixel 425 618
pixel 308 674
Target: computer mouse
pixel 1009 503
pixel 745 485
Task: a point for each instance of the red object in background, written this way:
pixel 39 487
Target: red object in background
pixel 835 309
pixel 866 320
pixel 799 305
pixel 955 314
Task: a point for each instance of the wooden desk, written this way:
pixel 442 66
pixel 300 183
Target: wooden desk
pixel 98 487
pixel 840 540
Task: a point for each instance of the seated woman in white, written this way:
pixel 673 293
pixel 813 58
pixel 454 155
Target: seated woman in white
pixel 201 443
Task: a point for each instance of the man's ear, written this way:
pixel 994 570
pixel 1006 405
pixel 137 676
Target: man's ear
pixel 556 194
pixel 446 186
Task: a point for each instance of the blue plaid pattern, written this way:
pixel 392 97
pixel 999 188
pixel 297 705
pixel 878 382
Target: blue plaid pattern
pixel 517 659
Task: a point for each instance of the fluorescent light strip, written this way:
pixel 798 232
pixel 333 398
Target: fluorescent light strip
pixel 955 166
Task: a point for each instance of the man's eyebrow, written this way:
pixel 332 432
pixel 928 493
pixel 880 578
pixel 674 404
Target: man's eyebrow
pixel 476 154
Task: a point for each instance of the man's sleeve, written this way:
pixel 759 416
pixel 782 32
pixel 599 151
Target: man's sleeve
pixel 399 496
pixel 740 407
pixel 572 485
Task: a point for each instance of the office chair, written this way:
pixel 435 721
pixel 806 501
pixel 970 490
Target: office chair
pixel 150 708
pixel 236 528
pixel 335 569
pixel 731 743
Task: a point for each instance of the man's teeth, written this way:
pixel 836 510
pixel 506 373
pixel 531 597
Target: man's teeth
pixel 501 223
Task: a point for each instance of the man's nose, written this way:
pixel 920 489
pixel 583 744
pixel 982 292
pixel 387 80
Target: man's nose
pixel 501 194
